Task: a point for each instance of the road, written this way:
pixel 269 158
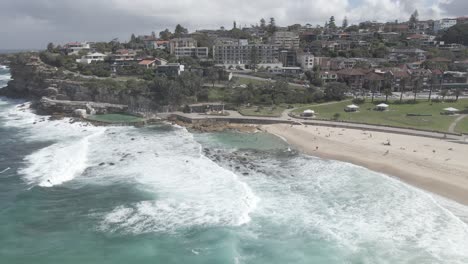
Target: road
pixel 262 79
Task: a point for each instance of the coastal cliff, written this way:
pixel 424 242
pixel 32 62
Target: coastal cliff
pixel 32 80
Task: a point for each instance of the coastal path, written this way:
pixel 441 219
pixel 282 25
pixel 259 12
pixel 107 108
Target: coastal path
pixel 455 123
pixel 235 117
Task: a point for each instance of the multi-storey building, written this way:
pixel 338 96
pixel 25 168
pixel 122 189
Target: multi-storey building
pixel 306 60
pixel 444 24
pixel 285 39
pixel 181 43
pixel 242 53
pixel 195 52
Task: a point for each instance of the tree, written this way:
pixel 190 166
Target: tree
pixel 387 89
pixel 262 23
pixel 212 75
pixel 336 91
pixel 444 93
pixel 434 81
pixel 279 90
pixel 402 88
pixel 272 26
pixel 417 84
pixel 374 85
pixel 234 25
pixel 50 47
pixel 180 31
pixel 414 19
pixel 456 34
pixel 345 23
pixel 457 93
pixel 132 38
pixel 331 23
pixel 165 35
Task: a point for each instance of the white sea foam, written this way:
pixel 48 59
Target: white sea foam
pixel 191 189
pixel 58 163
pixel 65 158
pixel 357 209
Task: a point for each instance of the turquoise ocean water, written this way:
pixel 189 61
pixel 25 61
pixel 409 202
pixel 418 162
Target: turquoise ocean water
pixel 73 193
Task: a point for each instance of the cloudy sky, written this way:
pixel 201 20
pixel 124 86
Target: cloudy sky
pixel 34 23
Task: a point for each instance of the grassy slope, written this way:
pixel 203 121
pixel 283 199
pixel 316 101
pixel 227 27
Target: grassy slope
pixel 396 116
pixel 462 127
pixel 263 111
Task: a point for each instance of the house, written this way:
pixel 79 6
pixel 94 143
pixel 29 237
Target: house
pixel 455 77
pixel 148 64
pixel 328 76
pixel 92 57
pixel 170 69
pixel 403 55
pixel 75 47
pixel 354 78
pixel 123 55
pixel 160 61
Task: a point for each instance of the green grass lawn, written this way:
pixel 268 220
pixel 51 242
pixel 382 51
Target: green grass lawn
pixel 241 80
pixel 115 118
pixel 268 111
pixel 216 94
pixel 397 115
pixel 462 126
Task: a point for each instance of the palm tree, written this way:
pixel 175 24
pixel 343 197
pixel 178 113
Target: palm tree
pixel 434 80
pixel 402 88
pixel 457 94
pixel 416 87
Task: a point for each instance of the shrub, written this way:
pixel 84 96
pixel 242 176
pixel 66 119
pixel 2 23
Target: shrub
pixel 359 101
pixel 336 116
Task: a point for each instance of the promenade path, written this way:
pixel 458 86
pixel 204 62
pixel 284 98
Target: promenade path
pixel 455 123
pixel 235 117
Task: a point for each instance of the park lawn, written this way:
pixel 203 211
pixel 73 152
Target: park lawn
pixel 267 111
pixel 462 126
pixel 216 94
pixel 396 116
pixel 115 118
pixel 246 81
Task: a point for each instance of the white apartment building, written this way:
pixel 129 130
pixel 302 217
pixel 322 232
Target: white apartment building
pixel 306 60
pixel 92 57
pixel 75 47
pixel 444 24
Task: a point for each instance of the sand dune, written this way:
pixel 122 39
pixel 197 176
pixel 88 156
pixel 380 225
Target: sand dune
pixel 435 165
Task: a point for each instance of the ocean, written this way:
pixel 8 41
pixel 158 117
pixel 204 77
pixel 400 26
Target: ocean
pixel 74 193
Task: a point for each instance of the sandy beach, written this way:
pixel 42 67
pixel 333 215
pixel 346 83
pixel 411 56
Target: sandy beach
pixel 435 165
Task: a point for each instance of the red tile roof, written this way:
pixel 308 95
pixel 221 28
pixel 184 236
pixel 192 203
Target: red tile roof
pixel 146 62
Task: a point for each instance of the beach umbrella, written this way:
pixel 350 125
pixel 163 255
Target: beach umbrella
pixel 382 105
pixel 309 111
pixel 451 109
pixel 352 107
